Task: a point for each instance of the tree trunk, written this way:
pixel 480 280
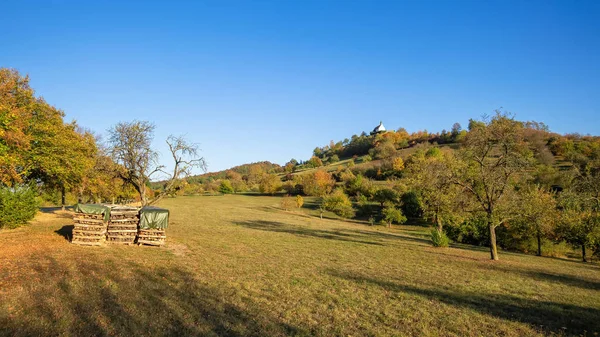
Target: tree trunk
pixel 583 253
pixel 493 248
pixel 438 222
pixel 63 198
pixel 539 242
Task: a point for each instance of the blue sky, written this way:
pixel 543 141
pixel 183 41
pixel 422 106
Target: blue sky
pixel 270 80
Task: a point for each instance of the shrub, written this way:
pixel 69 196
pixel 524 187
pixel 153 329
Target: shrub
pixel 392 215
pixel 299 201
pixel 473 231
pixel 17 206
pixel 225 187
pixel 411 205
pixel 439 239
pixel 338 203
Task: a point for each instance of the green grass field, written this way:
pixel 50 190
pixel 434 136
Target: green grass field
pixel 240 266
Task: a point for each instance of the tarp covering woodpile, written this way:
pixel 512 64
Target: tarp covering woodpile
pixel 153 222
pixel 152 217
pixel 93 209
pixel 123 224
pixel 90 224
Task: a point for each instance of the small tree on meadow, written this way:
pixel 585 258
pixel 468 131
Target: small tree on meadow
pixel 391 215
pixel 299 201
pixel 338 203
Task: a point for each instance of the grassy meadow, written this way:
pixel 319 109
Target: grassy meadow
pixel 238 265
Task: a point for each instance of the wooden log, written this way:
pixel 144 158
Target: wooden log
pixel 153 236
pixel 88 220
pixel 89 232
pixel 123 220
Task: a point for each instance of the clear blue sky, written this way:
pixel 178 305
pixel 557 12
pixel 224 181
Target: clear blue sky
pixel 270 80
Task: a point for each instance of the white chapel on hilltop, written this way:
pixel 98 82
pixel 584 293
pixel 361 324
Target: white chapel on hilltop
pixel 378 129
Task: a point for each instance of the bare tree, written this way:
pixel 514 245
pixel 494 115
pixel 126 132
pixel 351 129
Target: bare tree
pixel 130 146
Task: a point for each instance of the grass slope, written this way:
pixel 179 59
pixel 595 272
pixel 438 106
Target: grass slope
pixel 239 266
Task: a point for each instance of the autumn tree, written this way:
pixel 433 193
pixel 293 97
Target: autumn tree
pixel 17 104
pixel 580 208
pixel 270 183
pixel 318 183
pixel 430 176
pixel 130 146
pixel 492 156
pixel 314 161
pixel 62 154
pixel 35 142
pixel 537 211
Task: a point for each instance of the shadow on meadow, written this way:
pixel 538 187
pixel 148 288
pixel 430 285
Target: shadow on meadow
pixel 549 316
pixel 279 227
pixel 66 231
pixel 388 236
pixel 579 281
pixel 113 298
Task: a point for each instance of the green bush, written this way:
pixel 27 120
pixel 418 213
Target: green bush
pixel 17 206
pixel 411 205
pixel 439 239
pixel 338 203
pixel 225 187
pixel 472 231
pixel 392 215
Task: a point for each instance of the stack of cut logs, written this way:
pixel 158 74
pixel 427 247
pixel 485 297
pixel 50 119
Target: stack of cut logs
pixel 153 222
pixel 89 229
pixel 123 225
pixel 153 237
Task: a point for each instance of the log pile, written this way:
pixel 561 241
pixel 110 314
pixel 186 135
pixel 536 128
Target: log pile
pixel 153 223
pixel 123 225
pixel 89 225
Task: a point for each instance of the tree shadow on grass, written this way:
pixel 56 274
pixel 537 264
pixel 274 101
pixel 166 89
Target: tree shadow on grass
pixel 388 236
pixel 551 316
pixel 549 276
pixel 66 231
pixel 278 227
pixel 118 298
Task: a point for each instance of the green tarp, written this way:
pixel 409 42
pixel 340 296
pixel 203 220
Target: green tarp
pixel 154 218
pixel 93 209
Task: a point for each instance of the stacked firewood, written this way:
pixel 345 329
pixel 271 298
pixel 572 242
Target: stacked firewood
pixel 89 229
pixel 153 237
pixel 123 225
pixel 153 223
